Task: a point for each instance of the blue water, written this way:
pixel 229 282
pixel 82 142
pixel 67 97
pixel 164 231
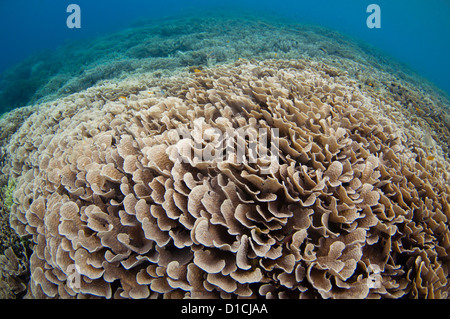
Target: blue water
pixel 414 32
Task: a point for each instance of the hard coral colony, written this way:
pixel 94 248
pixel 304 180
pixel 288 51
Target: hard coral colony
pixel 110 186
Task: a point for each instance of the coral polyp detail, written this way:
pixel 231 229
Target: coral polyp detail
pixel 111 188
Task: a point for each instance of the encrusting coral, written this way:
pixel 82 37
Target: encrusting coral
pixel 117 191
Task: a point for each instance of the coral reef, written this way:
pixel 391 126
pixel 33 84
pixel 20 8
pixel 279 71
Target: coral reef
pixel 8 238
pixel 10 122
pixel 112 185
pixel 13 275
pixel 179 42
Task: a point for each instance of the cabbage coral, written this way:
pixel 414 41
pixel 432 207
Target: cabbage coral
pixel 117 191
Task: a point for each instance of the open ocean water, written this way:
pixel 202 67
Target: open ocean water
pixel 114 117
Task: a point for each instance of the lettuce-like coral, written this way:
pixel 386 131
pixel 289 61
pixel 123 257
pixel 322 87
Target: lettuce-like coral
pixel 13 275
pixel 118 189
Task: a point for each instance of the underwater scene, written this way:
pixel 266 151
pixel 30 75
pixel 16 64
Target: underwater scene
pixel 225 150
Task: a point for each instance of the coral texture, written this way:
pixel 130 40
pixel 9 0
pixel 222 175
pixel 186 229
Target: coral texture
pixel 117 191
pixel 13 275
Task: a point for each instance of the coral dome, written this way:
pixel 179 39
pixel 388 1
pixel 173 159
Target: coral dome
pixel 274 178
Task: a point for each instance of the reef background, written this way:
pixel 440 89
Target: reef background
pixel 412 31
pixel 156 50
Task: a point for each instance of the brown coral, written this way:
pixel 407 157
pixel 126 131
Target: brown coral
pixel 123 192
pixel 13 275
